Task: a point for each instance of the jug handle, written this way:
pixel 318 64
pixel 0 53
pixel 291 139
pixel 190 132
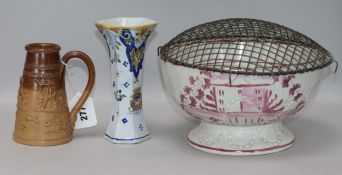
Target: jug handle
pixel 90 84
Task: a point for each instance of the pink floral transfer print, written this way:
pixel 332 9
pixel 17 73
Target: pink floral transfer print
pixel 202 93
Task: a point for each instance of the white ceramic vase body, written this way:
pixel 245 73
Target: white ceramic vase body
pixel 126 39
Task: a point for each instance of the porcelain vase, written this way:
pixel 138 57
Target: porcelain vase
pixel 126 38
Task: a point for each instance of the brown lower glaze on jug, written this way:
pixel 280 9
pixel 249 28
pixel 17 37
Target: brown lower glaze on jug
pixel 42 117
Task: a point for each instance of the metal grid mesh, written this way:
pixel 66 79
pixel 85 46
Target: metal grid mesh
pixel 245 46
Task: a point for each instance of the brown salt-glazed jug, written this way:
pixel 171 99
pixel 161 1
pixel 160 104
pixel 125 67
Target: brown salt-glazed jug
pixel 42 117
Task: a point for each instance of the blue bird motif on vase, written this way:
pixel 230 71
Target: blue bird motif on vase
pixel 135 54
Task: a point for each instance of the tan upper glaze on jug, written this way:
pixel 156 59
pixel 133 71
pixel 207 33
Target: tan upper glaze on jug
pixel 42 117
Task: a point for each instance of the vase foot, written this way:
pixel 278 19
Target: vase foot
pixel 127 140
pixel 128 128
pixel 241 140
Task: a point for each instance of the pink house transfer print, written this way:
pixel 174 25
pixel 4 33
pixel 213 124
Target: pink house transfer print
pixel 205 95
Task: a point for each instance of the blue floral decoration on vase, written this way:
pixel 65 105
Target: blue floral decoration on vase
pixel 135 54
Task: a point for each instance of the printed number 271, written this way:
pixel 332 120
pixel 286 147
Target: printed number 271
pixel 83 114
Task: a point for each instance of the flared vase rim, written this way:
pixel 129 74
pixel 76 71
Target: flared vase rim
pixel 105 23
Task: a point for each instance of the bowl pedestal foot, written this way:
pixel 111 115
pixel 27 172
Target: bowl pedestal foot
pixel 241 140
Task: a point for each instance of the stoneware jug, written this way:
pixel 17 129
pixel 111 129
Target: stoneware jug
pixel 42 117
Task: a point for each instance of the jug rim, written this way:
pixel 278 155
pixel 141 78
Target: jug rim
pixel 42 47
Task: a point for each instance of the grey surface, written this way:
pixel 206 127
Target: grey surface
pixel 71 24
pixel 317 149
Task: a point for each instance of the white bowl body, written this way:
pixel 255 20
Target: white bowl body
pixel 246 100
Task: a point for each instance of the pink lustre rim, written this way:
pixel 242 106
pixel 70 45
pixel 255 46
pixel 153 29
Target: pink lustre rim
pixel 242 151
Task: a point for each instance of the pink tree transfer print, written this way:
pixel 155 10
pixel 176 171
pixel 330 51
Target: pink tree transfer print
pixel 199 93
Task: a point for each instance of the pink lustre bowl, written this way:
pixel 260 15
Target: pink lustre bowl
pixel 241 88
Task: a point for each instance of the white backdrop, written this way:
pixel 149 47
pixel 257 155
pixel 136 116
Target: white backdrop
pixel 70 23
